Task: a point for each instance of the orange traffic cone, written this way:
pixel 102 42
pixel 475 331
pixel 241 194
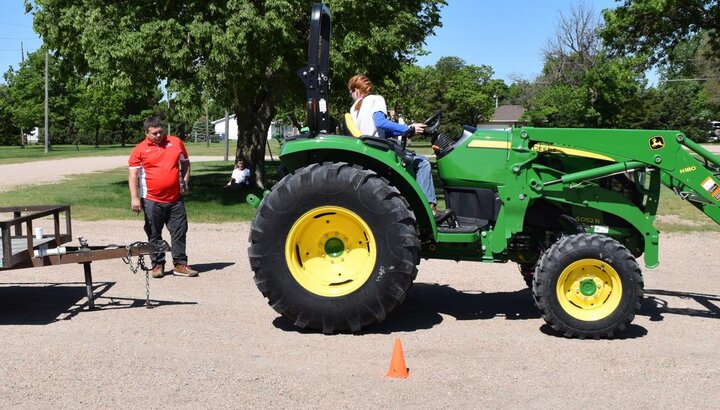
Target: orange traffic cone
pixel 397 363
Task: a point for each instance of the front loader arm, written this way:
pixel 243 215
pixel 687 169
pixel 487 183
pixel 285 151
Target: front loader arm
pixel 695 179
pixel 667 157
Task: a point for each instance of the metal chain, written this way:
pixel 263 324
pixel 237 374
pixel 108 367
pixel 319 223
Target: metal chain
pixel 148 304
pixel 140 264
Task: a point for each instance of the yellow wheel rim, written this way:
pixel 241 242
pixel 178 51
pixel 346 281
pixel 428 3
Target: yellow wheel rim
pixel 589 289
pixel 330 251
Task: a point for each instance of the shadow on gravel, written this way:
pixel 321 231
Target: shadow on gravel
pixel 426 302
pixel 632 332
pixel 206 267
pixel 656 304
pixel 45 303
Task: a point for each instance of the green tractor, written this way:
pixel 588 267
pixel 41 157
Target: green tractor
pixel 336 243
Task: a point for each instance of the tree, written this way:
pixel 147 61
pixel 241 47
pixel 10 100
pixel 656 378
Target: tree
pixel 464 93
pixel 683 40
pixel 575 47
pixel 98 107
pixel 26 89
pixel 581 84
pixel 655 27
pixel 9 132
pixel 244 53
pixel 685 103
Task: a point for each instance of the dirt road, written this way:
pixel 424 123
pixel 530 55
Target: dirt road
pixel 471 335
pixel 54 170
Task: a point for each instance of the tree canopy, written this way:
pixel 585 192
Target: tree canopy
pixel 463 91
pixel 243 53
pixel 655 27
pixel 581 85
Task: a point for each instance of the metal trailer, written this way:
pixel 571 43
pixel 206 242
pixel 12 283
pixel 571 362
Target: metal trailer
pixel 20 248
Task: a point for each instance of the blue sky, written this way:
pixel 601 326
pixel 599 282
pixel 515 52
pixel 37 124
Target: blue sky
pixel 507 35
pixel 15 27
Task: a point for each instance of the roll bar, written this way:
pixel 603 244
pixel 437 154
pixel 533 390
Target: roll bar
pixel 316 75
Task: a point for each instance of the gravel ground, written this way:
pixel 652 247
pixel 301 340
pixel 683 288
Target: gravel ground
pixel 471 335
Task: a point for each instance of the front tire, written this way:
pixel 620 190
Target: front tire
pixel 588 285
pixel 334 247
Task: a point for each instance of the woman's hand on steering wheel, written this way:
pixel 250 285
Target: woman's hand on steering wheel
pixel 419 127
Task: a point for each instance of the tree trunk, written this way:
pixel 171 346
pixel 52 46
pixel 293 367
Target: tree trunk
pixel 123 137
pixel 97 137
pixel 253 121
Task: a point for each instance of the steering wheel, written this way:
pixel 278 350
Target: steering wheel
pixel 433 123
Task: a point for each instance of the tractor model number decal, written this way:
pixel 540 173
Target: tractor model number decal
pixel 657 143
pixel 711 187
pixel 687 169
pixel 587 220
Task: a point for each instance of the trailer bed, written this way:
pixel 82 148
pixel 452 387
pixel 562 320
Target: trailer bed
pixel 19 247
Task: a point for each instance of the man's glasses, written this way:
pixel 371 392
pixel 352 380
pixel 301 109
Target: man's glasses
pixel 156 133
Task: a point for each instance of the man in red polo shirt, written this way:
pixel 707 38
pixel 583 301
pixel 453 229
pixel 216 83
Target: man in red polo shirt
pixel 159 172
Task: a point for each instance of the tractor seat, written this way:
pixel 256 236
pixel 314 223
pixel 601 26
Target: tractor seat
pixel 350 126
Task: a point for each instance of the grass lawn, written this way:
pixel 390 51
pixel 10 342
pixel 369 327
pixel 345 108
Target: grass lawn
pixel 683 216
pixel 105 195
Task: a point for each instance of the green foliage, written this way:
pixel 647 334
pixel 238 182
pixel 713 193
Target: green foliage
pixel 465 93
pixel 655 27
pixel 27 95
pixel 581 84
pixel 98 107
pixel 243 53
pixel 605 95
pixel 9 132
pixel 684 39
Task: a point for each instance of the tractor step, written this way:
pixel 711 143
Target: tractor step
pixel 458 229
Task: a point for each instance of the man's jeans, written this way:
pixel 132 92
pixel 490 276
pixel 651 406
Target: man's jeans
pixel 172 215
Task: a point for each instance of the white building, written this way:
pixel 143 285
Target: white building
pixel 32 137
pixel 275 126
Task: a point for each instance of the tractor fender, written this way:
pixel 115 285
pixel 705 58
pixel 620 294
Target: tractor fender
pixel 385 162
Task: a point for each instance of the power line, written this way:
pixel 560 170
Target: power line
pixel 691 79
pixel 14 24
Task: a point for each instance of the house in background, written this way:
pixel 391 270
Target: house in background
pixel 505 116
pixel 275 127
pixel 32 137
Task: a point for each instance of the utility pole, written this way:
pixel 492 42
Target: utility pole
pixel 22 133
pixel 207 126
pixel 227 135
pixel 169 131
pixel 167 95
pixel 47 118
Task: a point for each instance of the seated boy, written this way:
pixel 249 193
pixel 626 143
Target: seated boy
pixel 240 177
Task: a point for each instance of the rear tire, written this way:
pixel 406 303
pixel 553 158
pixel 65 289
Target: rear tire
pixel 334 247
pixel 588 285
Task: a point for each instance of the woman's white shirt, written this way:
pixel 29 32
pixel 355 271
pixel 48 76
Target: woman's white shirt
pixel 364 117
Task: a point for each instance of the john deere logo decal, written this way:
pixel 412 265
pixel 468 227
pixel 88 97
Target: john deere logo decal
pixel 657 143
